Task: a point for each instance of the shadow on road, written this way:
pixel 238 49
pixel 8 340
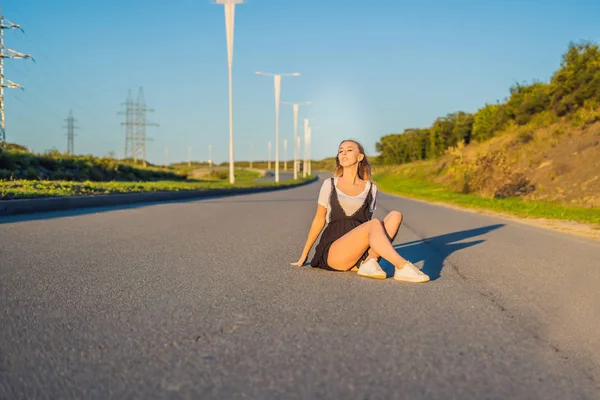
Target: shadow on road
pixel 434 250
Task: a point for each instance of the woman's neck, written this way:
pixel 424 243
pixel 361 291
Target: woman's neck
pixel 350 175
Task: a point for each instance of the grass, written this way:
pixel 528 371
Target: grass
pixel 18 163
pixel 425 190
pixel 28 189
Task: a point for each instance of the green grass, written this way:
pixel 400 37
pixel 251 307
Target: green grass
pixel 18 164
pixel 422 189
pixel 28 189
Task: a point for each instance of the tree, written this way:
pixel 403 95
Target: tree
pixel 577 80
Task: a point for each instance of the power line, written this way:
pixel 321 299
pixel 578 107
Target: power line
pixel 5 52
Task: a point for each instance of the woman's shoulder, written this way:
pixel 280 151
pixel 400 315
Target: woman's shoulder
pixel 326 184
pixel 373 186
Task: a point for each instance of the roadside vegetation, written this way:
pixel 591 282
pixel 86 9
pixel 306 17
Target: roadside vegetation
pixel 535 154
pixel 25 175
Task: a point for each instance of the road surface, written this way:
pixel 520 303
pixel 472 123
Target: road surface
pixel 197 299
pixel 283 176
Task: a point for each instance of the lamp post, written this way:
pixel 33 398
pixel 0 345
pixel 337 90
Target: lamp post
pixel 229 6
pixel 298 146
pixel 296 140
pixel 306 145
pixel 277 83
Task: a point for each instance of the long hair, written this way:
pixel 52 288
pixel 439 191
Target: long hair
pixel 364 167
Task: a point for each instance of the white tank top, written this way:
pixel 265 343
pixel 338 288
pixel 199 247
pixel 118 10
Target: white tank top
pixel 349 203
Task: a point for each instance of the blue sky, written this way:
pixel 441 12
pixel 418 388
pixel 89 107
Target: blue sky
pixel 370 68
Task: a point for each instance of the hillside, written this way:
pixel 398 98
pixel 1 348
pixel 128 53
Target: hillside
pixel 541 144
pixel 16 162
pixel 554 163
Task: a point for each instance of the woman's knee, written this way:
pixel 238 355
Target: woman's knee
pixel 375 222
pixel 395 217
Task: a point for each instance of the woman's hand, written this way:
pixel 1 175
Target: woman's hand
pixel 300 261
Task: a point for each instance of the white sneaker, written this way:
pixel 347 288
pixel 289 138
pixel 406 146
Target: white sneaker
pixel 371 269
pixel 410 273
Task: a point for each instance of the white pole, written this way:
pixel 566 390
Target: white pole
pixel 277 85
pixel 210 157
pixel 298 147
pixel 285 154
pixel 189 156
pixel 269 167
pixel 229 6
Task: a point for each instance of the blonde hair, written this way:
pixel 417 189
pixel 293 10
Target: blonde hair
pixel 364 167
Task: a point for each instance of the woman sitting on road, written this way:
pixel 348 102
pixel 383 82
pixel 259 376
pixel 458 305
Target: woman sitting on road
pixel 352 237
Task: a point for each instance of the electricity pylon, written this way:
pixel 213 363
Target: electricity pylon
pixel 70 132
pixel 135 127
pixel 5 52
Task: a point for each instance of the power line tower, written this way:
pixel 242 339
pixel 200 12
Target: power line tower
pixel 130 109
pixel 135 127
pixel 5 52
pixel 140 124
pixel 70 132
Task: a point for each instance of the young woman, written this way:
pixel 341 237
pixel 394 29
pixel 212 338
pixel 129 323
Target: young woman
pixel 353 238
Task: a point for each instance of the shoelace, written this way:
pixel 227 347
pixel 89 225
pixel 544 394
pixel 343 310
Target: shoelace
pixel 413 267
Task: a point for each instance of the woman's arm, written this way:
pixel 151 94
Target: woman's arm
pixel 315 229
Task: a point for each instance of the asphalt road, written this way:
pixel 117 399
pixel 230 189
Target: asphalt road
pixel 197 299
pixel 283 176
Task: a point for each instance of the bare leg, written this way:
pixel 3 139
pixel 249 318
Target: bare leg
pixel 344 252
pixel 391 223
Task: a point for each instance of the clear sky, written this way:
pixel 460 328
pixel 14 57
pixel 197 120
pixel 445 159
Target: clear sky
pixel 369 67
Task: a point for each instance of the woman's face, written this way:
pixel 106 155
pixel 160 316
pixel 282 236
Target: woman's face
pixel 349 154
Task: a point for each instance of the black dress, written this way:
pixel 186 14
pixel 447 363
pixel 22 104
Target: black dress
pixel 339 225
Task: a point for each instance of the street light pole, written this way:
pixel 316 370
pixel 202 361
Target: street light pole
pixel 298 147
pixel 229 6
pixel 277 83
pixel 306 164
pixel 296 140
